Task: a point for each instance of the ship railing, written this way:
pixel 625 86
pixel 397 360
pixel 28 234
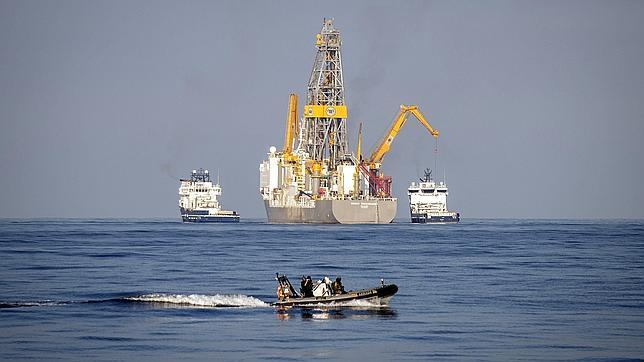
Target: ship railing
pixel 361 198
pixel 305 202
pixel 301 203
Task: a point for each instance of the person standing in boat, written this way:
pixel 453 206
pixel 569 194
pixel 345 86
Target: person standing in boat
pixel 306 286
pixel 337 286
pixel 283 291
pixel 322 288
pixel 302 284
pixel 329 285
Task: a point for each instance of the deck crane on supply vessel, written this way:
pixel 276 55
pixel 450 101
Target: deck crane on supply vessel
pixel 378 183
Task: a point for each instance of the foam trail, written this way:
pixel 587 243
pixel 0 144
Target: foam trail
pixel 31 304
pixel 197 300
pixel 200 300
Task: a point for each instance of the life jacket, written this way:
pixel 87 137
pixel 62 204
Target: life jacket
pixel 283 292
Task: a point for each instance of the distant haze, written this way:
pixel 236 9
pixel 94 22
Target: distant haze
pixel 104 105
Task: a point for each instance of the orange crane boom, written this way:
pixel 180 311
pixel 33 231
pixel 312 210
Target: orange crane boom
pixel 291 124
pixel 380 185
pixel 379 153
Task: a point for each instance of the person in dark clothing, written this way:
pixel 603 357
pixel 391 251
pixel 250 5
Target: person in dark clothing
pixel 337 286
pixel 302 285
pixel 306 286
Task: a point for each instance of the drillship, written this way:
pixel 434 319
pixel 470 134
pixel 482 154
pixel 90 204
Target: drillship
pixel 428 202
pixel 315 178
pixel 198 200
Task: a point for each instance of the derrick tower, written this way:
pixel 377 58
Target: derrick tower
pixel 324 130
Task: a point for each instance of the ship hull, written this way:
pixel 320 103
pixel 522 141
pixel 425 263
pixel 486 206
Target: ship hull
pixel 335 212
pixel 202 216
pixel 209 218
pixel 435 219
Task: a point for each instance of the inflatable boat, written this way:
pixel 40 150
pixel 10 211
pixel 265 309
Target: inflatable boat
pixel 324 292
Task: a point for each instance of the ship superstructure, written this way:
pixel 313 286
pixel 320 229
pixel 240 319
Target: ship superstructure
pixel 315 178
pixel 428 202
pixel 198 200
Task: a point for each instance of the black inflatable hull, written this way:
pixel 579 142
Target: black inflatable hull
pixel 381 293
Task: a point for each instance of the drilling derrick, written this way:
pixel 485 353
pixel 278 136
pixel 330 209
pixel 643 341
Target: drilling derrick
pixel 324 135
pixel 315 178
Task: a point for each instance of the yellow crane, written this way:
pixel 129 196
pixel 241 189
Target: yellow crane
pixel 291 124
pixel 380 185
pixel 375 160
pixel 356 174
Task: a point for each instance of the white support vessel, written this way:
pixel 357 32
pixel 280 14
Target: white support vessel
pixel 198 200
pixel 428 202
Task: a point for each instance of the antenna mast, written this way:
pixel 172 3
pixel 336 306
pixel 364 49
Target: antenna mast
pixel 436 153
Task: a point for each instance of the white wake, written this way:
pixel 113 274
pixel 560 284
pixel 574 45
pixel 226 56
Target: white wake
pixel 200 300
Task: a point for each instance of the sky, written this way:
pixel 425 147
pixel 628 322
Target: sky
pixel 104 105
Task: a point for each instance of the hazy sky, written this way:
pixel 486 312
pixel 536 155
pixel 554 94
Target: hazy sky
pixel 104 105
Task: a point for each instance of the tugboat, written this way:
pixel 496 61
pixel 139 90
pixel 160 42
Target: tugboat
pixel 325 292
pixel 428 202
pixel 198 200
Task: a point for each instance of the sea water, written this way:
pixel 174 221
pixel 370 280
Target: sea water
pixel 478 290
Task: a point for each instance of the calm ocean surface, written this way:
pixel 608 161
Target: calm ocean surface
pixel 163 290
